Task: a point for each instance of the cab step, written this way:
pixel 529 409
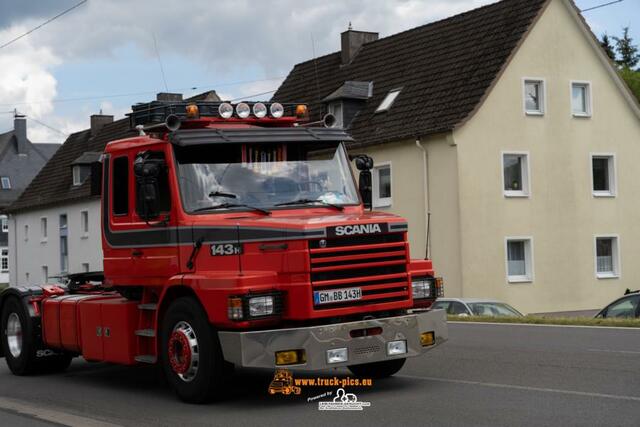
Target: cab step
pixel 146 333
pixel 151 307
pixel 146 358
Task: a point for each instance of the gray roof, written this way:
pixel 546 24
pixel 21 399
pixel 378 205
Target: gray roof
pixel 351 90
pixel 20 169
pixel 87 158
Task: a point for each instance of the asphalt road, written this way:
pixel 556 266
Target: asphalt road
pixel 486 375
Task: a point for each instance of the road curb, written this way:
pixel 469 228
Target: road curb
pixel 624 328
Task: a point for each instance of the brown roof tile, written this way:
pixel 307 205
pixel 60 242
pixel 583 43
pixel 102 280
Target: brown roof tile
pixel 444 69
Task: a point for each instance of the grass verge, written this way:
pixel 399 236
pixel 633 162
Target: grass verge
pixel 535 320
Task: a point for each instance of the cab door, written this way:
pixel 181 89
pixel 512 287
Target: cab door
pixel 155 252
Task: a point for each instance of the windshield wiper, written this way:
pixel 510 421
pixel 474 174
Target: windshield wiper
pixel 310 201
pixel 232 205
pixel 222 194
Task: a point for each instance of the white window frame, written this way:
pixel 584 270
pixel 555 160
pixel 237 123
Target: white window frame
pixel 84 224
pixel 389 98
pixel 617 265
pixel 528 255
pixel 26 232
pixel 85 267
pixel 381 202
pixel 543 92
pixel 5 182
pixel 588 101
pixel 331 109
pixel 526 175
pixel 44 229
pixel 45 274
pixel 613 175
pixel 75 170
pixel 5 223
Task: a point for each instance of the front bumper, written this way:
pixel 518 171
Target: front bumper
pixel 257 349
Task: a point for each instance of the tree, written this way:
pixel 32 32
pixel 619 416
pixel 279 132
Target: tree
pixel 607 46
pixel 633 80
pixel 627 51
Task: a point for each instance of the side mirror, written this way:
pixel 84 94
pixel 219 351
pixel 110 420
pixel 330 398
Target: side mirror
pixel 364 164
pixel 147 172
pixel 96 179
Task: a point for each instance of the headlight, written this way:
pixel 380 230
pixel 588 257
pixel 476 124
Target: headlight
pixel 259 110
pixel 243 110
pixel 277 110
pixel 421 288
pixel 261 306
pixel 225 110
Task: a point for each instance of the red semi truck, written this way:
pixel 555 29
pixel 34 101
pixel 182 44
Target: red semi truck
pixel 233 235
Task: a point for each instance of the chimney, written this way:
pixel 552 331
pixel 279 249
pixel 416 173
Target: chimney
pixel 168 96
pixel 99 120
pixel 20 132
pixel 352 41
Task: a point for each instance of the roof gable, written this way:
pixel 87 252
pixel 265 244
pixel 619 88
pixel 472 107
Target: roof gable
pixel 54 183
pixel 445 69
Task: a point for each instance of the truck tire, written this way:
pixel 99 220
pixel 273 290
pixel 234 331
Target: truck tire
pixel 23 350
pixel 378 370
pixel 190 352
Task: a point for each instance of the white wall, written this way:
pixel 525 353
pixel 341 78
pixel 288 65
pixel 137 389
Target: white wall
pixel 27 257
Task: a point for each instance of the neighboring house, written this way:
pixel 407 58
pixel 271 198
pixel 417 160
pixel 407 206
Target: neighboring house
pixel 511 127
pixel 55 224
pixel 20 161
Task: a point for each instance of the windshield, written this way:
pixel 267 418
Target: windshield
pixel 493 309
pixel 264 175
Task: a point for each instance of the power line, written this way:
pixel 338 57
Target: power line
pixel 164 79
pixel 43 24
pixel 47 126
pixel 121 95
pixel 251 96
pixel 601 5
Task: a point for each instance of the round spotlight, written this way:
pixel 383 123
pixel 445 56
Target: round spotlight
pixel 259 110
pixel 277 110
pixel 225 110
pixel 243 110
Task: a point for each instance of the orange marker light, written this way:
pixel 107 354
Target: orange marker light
pixel 192 111
pixel 301 111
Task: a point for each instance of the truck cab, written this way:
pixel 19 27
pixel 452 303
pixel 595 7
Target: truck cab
pixel 236 234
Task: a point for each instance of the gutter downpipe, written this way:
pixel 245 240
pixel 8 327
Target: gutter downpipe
pixel 425 187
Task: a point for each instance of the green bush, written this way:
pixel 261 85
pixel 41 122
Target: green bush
pixel 535 320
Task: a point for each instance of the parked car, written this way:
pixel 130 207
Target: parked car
pixel 475 307
pixel 626 306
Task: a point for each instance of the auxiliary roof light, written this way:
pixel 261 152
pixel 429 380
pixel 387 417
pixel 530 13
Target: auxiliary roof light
pixel 301 111
pixel 192 111
pixel 225 110
pixel 277 110
pixel 243 110
pixel 259 110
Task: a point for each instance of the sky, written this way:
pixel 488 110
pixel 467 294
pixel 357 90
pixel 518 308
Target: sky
pixel 106 55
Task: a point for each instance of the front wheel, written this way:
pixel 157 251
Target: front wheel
pixel 191 354
pixel 378 370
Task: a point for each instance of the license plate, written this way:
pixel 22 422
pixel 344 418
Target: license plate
pixel 337 295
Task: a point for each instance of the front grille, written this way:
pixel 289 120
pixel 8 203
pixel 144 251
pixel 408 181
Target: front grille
pixel 377 264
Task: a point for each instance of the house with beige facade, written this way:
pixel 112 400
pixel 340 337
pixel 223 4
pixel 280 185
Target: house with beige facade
pixel 505 135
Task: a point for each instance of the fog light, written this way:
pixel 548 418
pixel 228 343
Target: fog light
pixel 337 355
pixel 427 339
pixel 234 308
pixel 290 357
pixel 396 347
pixel 261 306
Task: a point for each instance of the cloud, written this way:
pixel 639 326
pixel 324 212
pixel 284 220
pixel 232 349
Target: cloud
pixel 239 40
